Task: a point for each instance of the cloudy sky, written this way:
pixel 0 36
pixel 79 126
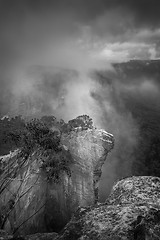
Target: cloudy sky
pixel 73 34
pixel 107 29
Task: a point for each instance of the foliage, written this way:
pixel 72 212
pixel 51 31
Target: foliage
pixel 83 121
pixel 60 163
pixel 43 134
pixel 39 135
pixel 36 134
pixel 15 131
pixel 50 121
pixel 9 133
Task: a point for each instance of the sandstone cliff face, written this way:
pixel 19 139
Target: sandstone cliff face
pixel 89 150
pixel 29 203
pixel 116 219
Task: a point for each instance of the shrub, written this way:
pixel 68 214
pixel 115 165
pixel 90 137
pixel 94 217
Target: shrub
pixel 38 136
pixel 83 121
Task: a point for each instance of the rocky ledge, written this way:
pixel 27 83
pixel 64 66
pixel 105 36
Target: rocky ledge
pixel 132 211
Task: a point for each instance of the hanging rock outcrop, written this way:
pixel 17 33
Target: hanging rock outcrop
pixel 131 212
pixel 31 203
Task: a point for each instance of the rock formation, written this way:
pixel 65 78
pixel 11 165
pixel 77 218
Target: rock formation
pixel 31 203
pixel 130 200
pixel 37 236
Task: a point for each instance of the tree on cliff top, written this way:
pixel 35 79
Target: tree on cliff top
pixel 83 121
pixel 9 129
pixel 36 136
pixel 14 131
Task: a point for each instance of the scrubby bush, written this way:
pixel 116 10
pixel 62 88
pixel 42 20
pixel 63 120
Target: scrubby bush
pixel 60 163
pixel 83 121
pixel 9 133
pixel 43 134
pixel 38 136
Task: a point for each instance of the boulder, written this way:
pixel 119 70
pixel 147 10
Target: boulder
pixel 131 212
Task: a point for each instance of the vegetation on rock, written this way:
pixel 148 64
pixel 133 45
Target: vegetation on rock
pixel 43 135
pixel 83 121
pixel 42 154
pixel 37 136
pixel 9 133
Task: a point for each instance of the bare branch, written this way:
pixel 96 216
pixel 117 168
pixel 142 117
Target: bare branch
pixel 28 218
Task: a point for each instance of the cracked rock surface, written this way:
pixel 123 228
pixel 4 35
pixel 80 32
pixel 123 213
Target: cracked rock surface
pixel 116 219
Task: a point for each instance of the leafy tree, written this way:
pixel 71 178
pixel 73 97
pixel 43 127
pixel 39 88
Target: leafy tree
pixel 83 121
pixel 9 133
pixel 37 136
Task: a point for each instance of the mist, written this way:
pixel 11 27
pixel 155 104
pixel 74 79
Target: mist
pixel 57 59
pixel 126 107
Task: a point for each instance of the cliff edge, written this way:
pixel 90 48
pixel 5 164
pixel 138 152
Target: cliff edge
pixel 31 202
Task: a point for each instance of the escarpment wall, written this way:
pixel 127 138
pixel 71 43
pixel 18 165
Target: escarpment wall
pixel 38 205
pixel 89 149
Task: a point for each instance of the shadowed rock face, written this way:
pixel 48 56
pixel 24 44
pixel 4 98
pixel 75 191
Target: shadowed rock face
pixel 130 199
pixel 89 150
pixel 37 205
pixel 37 236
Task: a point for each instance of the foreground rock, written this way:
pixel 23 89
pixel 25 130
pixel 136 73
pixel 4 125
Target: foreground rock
pixel 41 236
pixel 133 202
pixel 31 203
pixel 37 236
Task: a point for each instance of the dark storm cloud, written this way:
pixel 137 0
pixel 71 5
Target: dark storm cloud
pixel 145 11
pixel 29 19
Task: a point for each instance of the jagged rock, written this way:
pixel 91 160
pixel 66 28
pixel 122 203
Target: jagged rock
pixel 131 199
pixel 30 203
